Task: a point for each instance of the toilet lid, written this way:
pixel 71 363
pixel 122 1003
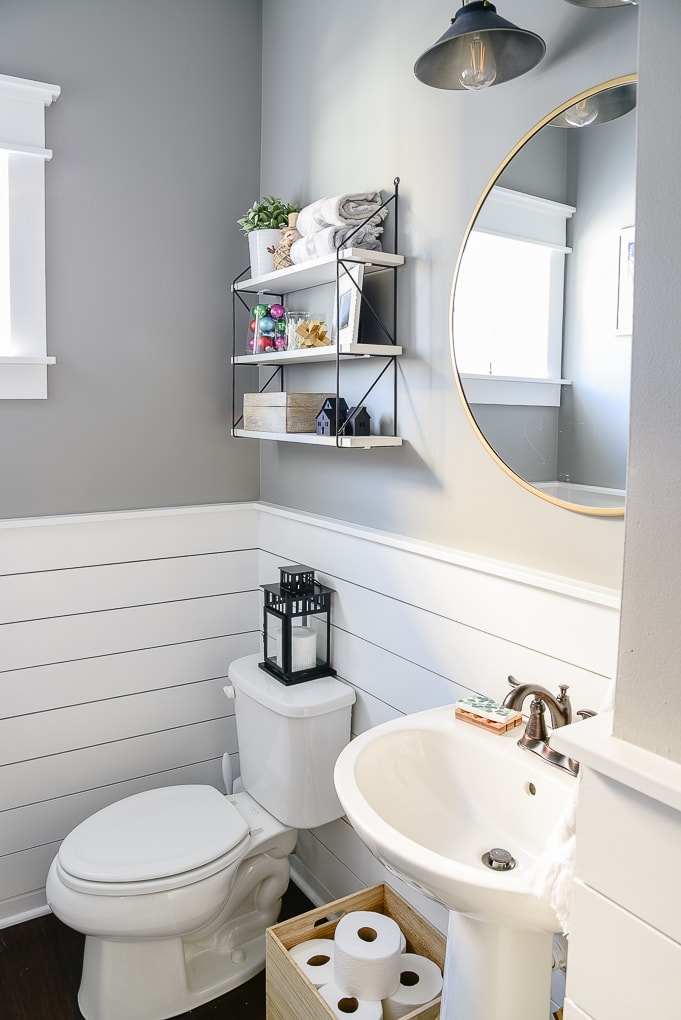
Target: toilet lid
pixel 152 835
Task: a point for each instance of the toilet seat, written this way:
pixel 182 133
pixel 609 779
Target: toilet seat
pixel 153 841
pixel 154 885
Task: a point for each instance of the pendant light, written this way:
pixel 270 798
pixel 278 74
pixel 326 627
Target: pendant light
pixel 479 49
pixel 599 108
pixel 603 3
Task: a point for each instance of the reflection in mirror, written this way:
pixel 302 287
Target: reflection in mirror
pixel 542 304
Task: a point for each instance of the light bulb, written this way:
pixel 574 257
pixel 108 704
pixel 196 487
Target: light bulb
pixel 477 66
pixel 582 113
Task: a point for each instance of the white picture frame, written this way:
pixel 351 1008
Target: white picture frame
pixel 625 282
pixel 346 305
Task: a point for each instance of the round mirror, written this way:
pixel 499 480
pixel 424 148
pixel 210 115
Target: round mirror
pixel 542 303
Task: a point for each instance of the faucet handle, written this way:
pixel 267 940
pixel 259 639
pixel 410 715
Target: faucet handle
pixel 586 713
pixel 512 681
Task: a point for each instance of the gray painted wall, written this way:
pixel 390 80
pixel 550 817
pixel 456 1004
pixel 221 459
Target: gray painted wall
pixel 525 437
pixel 592 448
pixel 540 167
pixel 356 116
pixel 156 140
pixel 648 699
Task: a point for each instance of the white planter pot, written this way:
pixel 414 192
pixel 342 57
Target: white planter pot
pixel 258 243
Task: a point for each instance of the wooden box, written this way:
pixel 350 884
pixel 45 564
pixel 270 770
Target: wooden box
pixel 282 412
pixel 291 996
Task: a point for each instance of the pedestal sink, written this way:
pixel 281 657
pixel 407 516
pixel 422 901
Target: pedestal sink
pixel 431 796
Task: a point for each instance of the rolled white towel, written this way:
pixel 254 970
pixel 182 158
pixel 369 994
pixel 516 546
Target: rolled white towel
pixel 341 210
pixel 326 241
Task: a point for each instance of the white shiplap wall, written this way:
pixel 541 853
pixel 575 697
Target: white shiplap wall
pixel 416 626
pixel 116 632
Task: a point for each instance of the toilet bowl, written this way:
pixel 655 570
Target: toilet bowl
pixel 174 887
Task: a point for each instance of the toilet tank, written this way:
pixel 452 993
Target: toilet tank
pixel 289 740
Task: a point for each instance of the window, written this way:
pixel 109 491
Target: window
pixel 509 349
pixel 23 340
pixel 512 334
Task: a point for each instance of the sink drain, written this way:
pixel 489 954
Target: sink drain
pixel 498 859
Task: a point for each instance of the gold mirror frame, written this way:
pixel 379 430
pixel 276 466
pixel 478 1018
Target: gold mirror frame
pixel 575 507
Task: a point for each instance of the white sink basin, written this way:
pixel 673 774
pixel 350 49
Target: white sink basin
pixel 429 795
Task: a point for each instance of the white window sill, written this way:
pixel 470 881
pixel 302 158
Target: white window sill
pixel 24 378
pixel 506 389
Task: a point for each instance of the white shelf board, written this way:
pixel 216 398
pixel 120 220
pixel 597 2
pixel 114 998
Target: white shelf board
pixel 317 354
pixel 11 359
pixel 312 439
pixel 317 271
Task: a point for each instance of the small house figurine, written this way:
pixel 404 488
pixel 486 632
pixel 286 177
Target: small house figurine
pixel 328 420
pixel 358 422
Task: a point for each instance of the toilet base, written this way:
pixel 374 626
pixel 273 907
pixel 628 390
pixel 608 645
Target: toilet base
pixel 153 979
pixel 137 981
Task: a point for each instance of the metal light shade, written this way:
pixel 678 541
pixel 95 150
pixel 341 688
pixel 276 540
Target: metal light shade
pixel 603 3
pixel 611 104
pixel 515 49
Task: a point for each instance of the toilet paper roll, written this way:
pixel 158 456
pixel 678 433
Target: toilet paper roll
pixel 420 983
pixel 344 1005
pixel 315 959
pixel 367 955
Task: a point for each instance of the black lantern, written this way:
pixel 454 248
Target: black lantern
pixel 296 626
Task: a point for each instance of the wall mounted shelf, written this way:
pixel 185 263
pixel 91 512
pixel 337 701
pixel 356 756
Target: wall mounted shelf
pixel 347 442
pixel 312 355
pixel 329 269
pixel 317 272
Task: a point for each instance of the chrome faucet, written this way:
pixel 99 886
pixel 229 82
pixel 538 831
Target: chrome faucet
pixel 536 735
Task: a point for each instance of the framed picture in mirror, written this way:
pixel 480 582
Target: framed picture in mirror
pixel 625 282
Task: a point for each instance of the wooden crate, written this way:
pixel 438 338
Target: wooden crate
pixel 291 996
pixel 282 412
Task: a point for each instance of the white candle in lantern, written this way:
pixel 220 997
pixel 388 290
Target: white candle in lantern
pixel 303 648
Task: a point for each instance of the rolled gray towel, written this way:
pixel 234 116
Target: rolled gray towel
pixel 341 211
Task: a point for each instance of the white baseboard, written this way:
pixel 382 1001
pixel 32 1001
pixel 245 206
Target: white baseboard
pixel 27 914
pixel 308 883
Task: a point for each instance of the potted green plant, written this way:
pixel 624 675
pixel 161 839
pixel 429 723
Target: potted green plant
pixel 262 225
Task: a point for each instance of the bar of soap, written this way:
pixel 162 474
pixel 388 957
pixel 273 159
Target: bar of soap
pixel 477 704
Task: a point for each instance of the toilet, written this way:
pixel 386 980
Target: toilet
pixel 174 888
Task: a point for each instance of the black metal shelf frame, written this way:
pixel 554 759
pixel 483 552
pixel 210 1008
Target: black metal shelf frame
pixel 388 329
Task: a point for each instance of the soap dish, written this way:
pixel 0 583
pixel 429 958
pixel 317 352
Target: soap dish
pixel 487 714
pixel 488 724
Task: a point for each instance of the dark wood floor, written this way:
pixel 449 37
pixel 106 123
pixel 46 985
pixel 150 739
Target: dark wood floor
pixel 40 963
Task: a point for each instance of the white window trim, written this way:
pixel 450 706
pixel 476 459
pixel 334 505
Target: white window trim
pixel 538 221
pixel 525 217
pixel 23 365
pixel 508 389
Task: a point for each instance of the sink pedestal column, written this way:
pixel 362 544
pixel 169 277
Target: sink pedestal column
pixel 493 971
